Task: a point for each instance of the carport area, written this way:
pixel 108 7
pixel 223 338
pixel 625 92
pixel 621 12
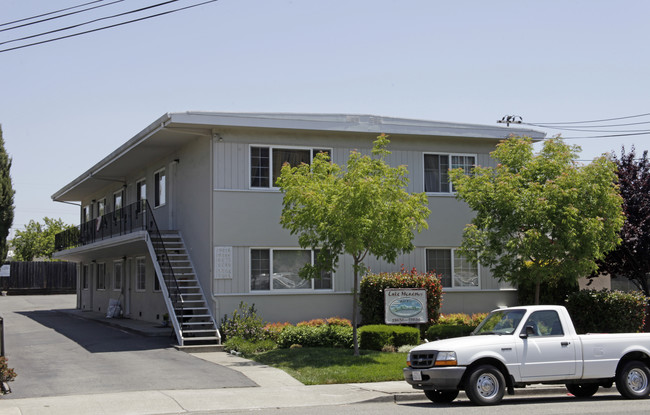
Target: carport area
pixel 56 352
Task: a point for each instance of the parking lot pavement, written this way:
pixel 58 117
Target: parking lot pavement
pixel 56 354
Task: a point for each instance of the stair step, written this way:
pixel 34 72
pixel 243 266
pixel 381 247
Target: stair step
pixel 200 331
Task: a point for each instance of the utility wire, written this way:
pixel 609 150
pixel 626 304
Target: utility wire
pixel 63 15
pixel 88 22
pixel 49 13
pixel 592 121
pixel 108 27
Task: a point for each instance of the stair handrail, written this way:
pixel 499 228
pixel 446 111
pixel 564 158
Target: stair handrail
pixel 154 232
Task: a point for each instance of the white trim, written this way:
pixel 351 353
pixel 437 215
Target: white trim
pixel 282 147
pixel 287 291
pixel 451 191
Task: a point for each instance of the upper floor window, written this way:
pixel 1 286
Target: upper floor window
pixel 455 269
pixel 277 270
pixel 118 203
pixel 85 213
pixel 101 207
pixel 159 182
pixel 141 190
pixel 436 170
pixel 266 162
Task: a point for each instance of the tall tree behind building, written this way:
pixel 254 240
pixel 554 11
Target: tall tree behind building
pixel 6 198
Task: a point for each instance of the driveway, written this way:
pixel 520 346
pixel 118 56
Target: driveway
pixel 55 353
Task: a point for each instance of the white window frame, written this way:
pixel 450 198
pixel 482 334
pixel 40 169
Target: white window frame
pixel 453 287
pixel 85 276
pixel 137 274
pixel 118 264
pixel 449 156
pixel 272 185
pixel 278 290
pixel 101 265
pixel 138 185
pixel 159 192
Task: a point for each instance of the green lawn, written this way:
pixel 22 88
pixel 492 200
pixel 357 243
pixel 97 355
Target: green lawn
pixel 318 366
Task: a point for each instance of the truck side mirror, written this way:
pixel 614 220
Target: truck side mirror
pixel 528 331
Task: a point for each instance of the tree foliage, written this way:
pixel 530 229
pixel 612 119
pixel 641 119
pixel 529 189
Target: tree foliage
pixel 631 259
pixel 36 240
pixel 540 218
pixel 361 210
pixel 6 198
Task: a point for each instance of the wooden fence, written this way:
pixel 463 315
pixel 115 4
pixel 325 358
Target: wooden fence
pixel 40 278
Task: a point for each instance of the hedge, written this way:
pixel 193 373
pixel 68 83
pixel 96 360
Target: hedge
pixel 447 331
pixel 371 294
pixel 607 311
pixel 316 336
pixel 376 336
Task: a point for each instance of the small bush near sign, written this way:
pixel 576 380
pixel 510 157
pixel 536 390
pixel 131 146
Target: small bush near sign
pixel 376 336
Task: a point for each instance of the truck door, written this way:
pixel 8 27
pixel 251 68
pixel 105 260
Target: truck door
pixel 547 351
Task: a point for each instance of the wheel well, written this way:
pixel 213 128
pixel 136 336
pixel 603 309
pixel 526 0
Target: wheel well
pixel 487 361
pixel 643 357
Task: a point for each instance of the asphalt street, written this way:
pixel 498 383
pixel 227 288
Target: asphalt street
pixel 57 354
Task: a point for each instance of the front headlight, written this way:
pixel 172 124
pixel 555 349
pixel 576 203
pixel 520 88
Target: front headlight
pixel 408 359
pixel 446 359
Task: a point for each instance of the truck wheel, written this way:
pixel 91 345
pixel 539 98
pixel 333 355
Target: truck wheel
pixel 582 390
pixel 632 380
pixel 485 385
pixel 441 396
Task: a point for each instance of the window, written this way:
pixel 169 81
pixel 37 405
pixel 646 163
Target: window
pixel 277 270
pixel 117 276
pixel 85 273
pixel 436 168
pixel 266 162
pixel 101 276
pixel 159 182
pixel 118 204
pixel 141 190
pixel 456 271
pixel 85 213
pixel 545 323
pixel 140 274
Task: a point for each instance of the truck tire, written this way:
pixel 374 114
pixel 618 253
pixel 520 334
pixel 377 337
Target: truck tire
pixel 633 380
pixel 437 396
pixel 582 390
pixel 485 385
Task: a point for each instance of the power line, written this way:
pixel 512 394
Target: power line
pixel 108 27
pixel 58 17
pixel 49 13
pixel 89 22
pixel 602 120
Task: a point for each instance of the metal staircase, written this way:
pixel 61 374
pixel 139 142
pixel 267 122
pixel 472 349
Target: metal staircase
pixel 189 313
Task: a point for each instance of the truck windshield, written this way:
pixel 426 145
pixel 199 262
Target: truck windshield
pixel 500 322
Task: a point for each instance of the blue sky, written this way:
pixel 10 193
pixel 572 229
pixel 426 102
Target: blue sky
pixel 67 104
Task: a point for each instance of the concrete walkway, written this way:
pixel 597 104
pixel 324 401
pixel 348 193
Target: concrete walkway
pixel 275 389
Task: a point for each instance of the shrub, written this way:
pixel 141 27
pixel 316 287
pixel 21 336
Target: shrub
pixel 337 321
pixel 455 319
pixel 552 293
pixel 273 330
pixel 607 311
pixel 406 348
pixel 376 336
pixel 447 331
pixel 371 294
pixel 244 323
pixel 316 336
pixel 248 348
pixel 7 374
pixel 312 323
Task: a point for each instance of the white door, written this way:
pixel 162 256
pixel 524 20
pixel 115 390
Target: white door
pixel 548 352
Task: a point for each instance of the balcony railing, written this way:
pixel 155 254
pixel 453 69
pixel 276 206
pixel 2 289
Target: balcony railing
pixel 131 218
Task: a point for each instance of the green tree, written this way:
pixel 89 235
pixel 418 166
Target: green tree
pixel 37 240
pixel 540 218
pixel 362 210
pixel 6 198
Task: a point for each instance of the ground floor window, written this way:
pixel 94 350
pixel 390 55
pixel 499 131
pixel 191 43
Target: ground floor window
pixel 85 272
pixel 117 275
pixel 101 276
pixel 455 269
pixel 140 274
pixel 277 270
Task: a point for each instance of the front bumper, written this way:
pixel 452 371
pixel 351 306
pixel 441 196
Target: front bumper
pixel 436 378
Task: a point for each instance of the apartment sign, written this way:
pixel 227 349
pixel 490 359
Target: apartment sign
pixel 405 305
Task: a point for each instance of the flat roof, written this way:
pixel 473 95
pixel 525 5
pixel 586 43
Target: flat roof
pixel 173 129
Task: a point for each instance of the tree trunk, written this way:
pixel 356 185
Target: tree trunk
pixel 354 308
pixel 537 290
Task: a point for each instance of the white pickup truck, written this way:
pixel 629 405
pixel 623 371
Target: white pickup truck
pixel 519 346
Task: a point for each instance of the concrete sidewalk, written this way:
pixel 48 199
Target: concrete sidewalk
pixel 274 389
